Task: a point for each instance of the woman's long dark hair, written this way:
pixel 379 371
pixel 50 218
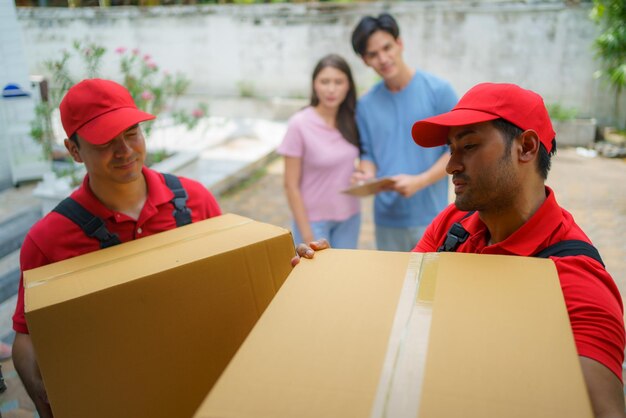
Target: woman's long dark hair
pixel 346 122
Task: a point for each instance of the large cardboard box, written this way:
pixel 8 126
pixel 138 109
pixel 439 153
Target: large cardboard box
pixel 145 328
pixel 382 334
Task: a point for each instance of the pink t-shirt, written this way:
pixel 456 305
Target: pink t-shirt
pixel 327 164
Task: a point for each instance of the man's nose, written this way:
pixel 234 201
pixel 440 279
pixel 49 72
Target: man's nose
pixel 454 165
pixel 121 146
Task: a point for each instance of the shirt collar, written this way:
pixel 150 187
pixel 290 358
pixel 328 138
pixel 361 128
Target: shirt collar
pixel 158 194
pixel 528 239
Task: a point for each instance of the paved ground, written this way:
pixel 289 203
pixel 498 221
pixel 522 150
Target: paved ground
pixel 591 188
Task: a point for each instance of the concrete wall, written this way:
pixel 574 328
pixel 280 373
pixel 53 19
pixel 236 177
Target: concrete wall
pixel 271 49
pixel 13 69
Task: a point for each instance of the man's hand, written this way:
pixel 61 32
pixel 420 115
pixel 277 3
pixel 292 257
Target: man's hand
pixel 407 185
pixel 27 368
pixel 308 251
pixel 366 171
pixel 360 177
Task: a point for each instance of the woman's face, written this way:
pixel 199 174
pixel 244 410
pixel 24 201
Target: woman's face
pixel 331 87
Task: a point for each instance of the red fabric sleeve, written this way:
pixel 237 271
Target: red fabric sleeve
pixel 202 203
pixel 595 310
pixel 30 257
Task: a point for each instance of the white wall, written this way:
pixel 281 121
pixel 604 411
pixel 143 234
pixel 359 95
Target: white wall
pixel 13 69
pixel 542 45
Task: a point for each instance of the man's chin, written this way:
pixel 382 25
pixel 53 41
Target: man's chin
pixel 463 205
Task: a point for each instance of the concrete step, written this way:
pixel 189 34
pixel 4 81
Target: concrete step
pixel 7 308
pixel 9 274
pixel 14 228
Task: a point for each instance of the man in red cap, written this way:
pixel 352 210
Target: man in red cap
pixel 119 200
pixel 501 141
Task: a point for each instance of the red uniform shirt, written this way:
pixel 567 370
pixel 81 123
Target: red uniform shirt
pixel 593 301
pixel 55 237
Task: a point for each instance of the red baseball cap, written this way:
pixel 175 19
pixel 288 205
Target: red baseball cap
pixel 99 110
pixel 484 102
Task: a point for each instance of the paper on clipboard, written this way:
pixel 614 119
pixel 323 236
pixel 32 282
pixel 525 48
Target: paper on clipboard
pixel 369 187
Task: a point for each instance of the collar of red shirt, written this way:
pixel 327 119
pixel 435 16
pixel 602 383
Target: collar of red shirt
pixel 527 240
pixel 158 194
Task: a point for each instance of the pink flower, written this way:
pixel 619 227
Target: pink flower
pixel 166 73
pixel 147 95
pixel 135 51
pixel 120 50
pixel 146 57
pixel 152 65
pixel 197 113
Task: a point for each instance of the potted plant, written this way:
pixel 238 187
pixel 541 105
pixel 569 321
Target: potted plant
pixel 570 129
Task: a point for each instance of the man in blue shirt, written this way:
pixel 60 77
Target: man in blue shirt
pixel 384 117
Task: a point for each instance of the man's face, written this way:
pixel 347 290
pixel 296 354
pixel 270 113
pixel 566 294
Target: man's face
pixel 118 161
pixel 384 54
pixel 483 169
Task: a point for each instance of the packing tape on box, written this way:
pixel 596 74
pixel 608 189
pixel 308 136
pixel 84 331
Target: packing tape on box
pixel 400 386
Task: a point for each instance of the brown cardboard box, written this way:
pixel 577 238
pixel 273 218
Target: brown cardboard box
pixel 145 328
pixel 382 334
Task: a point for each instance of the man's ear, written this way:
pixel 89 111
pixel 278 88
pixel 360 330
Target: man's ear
pixel 364 61
pixel 528 146
pixel 400 42
pixel 72 148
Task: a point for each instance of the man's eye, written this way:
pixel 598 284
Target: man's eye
pixel 469 146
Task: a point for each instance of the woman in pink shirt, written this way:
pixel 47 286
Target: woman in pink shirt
pixel 320 148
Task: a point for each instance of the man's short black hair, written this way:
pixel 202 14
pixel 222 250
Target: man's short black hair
pixel 368 25
pixel 74 139
pixel 511 131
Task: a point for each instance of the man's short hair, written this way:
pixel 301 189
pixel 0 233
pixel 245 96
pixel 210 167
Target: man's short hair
pixel 368 25
pixel 74 139
pixel 511 131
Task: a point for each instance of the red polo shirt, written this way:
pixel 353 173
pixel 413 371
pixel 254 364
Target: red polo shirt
pixel 55 238
pixel 593 301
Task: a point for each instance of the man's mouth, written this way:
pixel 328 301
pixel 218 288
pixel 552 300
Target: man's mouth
pixel 459 185
pixel 126 165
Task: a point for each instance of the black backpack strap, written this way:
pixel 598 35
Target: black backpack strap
pixel 455 236
pixel 182 214
pixel 571 247
pixel 91 225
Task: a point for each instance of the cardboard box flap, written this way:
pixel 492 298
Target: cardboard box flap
pixel 500 328
pixel 65 267
pixel 156 253
pixel 499 344
pixel 317 350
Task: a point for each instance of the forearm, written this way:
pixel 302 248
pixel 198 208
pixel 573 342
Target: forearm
pixel 296 204
pixel 25 363
pixel 368 168
pixel 436 172
pixel 407 185
pixel 604 388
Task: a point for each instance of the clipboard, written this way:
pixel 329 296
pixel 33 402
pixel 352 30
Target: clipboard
pixel 370 187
